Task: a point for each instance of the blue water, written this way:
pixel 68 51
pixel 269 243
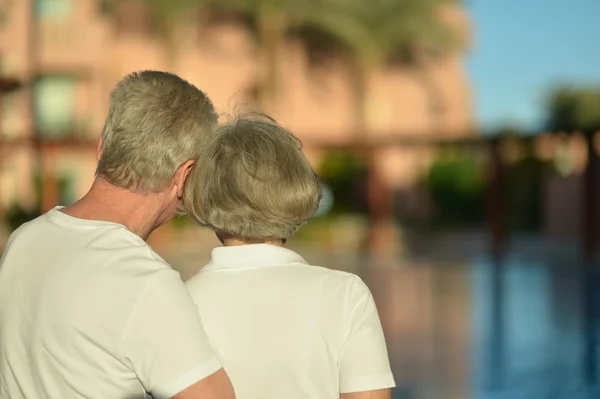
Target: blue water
pixel 520 329
pixel 459 326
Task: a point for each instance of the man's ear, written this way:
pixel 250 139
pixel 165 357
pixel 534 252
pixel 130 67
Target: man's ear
pixel 99 149
pixel 181 175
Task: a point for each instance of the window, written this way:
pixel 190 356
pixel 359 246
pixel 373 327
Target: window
pixel 54 102
pixel 54 8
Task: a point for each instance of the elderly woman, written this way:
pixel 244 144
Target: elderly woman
pixel 282 328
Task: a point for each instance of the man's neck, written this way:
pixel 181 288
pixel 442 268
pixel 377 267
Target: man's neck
pixel 141 213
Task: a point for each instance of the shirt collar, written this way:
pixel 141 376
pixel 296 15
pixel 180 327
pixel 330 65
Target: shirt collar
pixel 251 255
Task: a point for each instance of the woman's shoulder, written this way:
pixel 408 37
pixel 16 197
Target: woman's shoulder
pixel 338 280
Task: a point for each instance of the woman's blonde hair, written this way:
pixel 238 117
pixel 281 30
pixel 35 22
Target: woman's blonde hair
pixel 252 182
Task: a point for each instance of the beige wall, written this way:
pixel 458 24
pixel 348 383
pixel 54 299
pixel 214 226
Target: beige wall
pixel 225 62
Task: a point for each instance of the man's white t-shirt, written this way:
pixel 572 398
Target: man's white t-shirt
pixel 285 329
pixel 88 310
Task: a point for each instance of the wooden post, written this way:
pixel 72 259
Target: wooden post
pixel 494 203
pixel 589 239
pixel 50 195
pixel 496 226
pixel 380 207
pixel 589 217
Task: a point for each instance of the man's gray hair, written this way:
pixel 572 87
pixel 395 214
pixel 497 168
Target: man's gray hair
pixel 252 182
pixel 156 122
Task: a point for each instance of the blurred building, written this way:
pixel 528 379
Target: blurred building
pixel 70 53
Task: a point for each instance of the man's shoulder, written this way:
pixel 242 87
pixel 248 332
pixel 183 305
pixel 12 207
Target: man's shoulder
pixel 27 226
pixel 111 248
pixel 25 233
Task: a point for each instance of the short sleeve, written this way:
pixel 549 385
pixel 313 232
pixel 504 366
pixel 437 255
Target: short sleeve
pixel 164 341
pixel 364 362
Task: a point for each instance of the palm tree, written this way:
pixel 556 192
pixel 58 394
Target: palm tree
pixel 272 21
pixel 382 32
pixel 376 32
pixel 379 33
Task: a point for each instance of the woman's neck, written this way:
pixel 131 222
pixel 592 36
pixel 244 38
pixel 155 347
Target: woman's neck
pixel 233 242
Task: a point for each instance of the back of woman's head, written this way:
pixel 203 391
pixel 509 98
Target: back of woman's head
pixel 252 182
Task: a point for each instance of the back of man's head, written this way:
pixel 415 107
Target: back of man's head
pixel 156 122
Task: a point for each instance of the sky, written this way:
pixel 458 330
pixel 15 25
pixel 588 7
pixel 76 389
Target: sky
pixel 522 49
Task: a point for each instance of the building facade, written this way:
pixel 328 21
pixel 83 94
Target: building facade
pixel 70 53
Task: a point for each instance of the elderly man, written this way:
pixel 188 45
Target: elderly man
pixel 87 309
